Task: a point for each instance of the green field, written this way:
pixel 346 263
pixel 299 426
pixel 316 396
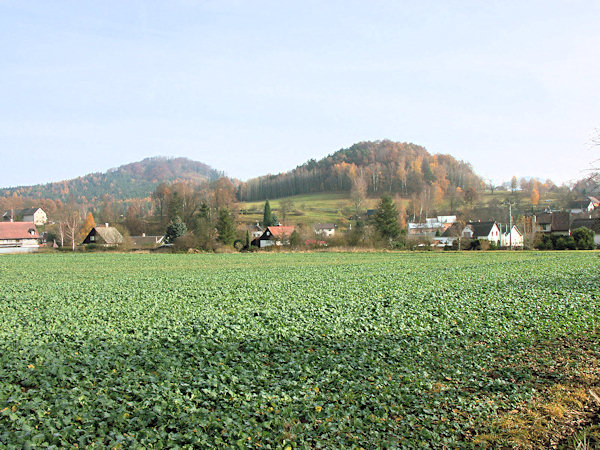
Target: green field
pixel 312 350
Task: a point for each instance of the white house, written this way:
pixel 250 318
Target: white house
pixel 431 226
pixel 325 229
pixel 513 238
pixel 35 215
pixel 18 237
pixel 278 236
pixel 488 231
pixel 582 206
pixel 256 231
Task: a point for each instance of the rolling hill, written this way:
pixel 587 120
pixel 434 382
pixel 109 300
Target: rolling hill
pixel 135 180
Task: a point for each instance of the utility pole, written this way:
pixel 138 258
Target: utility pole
pixel 510 205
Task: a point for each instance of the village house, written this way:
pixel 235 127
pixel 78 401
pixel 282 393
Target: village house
pixel 105 236
pixel 18 237
pixel 35 215
pixel 543 223
pixel 592 224
pixel 513 238
pixel 561 223
pixel 432 226
pixel 256 230
pixel 585 205
pixel 277 235
pixel 488 231
pixel 325 229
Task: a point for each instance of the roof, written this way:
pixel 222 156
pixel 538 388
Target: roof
pixel 18 230
pixel 481 228
pixel 561 221
pixel 580 204
pixel 146 241
pixel 325 226
pixel 453 231
pixel 110 235
pixel 28 211
pixel 544 218
pixel 592 224
pixel 280 231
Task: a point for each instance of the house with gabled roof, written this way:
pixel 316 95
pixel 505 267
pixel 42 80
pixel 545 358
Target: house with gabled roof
pixel 18 237
pixel 512 238
pixel 325 229
pixel 105 236
pixel 488 231
pixel 584 205
pixel 35 215
pixel 276 235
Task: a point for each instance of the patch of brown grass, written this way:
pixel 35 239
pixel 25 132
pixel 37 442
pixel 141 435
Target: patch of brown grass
pixel 561 410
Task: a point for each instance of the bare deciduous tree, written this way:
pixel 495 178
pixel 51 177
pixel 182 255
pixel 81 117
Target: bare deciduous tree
pixel 358 193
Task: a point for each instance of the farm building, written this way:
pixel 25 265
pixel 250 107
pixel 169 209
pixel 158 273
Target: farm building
pixel 325 229
pixel 278 235
pixel 18 237
pixel 105 236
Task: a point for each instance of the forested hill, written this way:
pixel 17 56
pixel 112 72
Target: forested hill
pixel 135 180
pixel 379 166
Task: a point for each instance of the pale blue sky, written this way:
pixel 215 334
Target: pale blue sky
pixel 252 87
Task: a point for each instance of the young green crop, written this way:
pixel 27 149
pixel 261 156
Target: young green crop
pixel 311 350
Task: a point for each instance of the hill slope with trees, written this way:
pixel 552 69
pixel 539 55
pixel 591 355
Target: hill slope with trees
pixel 376 167
pixel 135 180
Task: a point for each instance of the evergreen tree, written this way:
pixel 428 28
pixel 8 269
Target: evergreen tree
pixel 175 229
pixel 204 211
pixel 248 242
pixel 268 218
pixel 386 219
pixel 225 227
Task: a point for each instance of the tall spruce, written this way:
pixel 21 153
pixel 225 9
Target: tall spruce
pixel 386 219
pixel 225 227
pixel 268 217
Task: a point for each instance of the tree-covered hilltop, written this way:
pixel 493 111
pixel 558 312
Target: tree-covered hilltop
pixel 135 180
pixel 382 166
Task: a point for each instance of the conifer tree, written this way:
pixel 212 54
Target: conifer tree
pixel 386 219
pixel 268 217
pixel 225 227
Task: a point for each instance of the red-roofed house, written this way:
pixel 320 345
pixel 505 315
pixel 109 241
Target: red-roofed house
pixel 279 235
pixel 18 237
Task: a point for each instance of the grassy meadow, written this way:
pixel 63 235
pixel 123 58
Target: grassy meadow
pixel 321 350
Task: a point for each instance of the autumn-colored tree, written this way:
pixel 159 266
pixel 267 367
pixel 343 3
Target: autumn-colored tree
pixel 535 196
pixel 224 193
pixel 87 226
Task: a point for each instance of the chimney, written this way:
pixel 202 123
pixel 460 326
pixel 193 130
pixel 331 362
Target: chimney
pixel 106 224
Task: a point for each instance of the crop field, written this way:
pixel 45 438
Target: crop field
pixel 319 350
